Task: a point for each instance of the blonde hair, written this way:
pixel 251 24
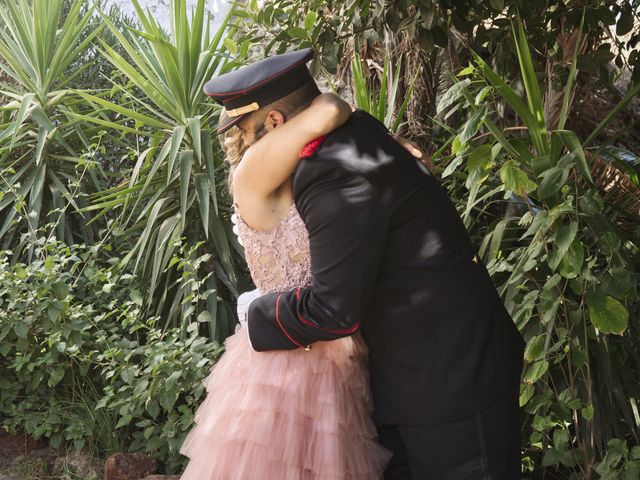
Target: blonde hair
pixel 233 148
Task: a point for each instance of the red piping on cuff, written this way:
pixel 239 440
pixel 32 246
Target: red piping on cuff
pixel 311 324
pixel 280 323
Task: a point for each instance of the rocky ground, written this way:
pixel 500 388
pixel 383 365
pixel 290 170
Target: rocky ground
pixel 22 458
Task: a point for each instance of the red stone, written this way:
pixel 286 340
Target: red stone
pixel 128 466
pixel 19 444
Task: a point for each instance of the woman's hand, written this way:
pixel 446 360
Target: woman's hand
pixel 417 152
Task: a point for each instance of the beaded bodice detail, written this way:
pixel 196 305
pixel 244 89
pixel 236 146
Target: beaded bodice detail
pixel 278 259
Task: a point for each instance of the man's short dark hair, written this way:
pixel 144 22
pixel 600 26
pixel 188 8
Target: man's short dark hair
pixel 293 103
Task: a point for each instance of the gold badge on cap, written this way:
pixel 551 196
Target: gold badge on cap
pixel 236 112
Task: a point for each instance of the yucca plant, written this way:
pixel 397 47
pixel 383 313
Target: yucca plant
pixel 48 160
pixel 173 195
pixel 382 105
pixel 566 272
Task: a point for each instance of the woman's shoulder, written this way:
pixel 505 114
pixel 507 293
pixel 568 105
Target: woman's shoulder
pixel 263 214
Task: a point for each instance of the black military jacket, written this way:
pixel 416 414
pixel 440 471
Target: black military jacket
pixel 391 258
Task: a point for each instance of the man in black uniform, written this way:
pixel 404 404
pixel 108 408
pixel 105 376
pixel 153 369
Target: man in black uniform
pixel 391 258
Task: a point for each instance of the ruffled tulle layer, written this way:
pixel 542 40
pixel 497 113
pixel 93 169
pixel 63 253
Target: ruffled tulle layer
pixel 286 415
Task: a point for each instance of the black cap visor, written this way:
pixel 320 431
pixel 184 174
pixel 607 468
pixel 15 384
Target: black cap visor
pixel 227 122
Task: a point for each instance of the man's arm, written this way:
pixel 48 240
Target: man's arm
pixel 347 227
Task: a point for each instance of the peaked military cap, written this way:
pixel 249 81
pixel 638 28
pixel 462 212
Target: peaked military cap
pixel 261 83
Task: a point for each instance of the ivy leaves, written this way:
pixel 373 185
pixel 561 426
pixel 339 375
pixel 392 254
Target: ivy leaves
pixel 516 180
pixel 620 462
pixel 566 271
pixel 144 382
pixel 606 313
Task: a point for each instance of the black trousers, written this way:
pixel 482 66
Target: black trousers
pixel 485 446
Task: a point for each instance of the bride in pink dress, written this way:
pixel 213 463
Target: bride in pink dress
pixel 295 414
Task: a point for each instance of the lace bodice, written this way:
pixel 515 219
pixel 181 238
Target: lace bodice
pixel 278 259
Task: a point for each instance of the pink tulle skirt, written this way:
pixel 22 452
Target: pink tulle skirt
pixel 286 415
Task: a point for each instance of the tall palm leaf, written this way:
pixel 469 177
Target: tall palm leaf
pixel 173 190
pixel 46 160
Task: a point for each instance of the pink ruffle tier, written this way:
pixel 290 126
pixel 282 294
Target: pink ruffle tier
pixel 286 415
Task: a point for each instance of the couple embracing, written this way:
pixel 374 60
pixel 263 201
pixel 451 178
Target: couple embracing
pixel 375 345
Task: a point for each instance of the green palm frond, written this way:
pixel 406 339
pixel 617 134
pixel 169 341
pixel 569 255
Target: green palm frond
pixel 173 188
pixel 47 158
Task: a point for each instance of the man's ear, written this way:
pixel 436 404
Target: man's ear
pixel 274 119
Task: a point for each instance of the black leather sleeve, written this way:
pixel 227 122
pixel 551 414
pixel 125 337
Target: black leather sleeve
pixel 347 229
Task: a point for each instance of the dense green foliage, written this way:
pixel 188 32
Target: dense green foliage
pixel 118 266
pixel 329 25
pixel 439 36
pixel 80 363
pixel 562 259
